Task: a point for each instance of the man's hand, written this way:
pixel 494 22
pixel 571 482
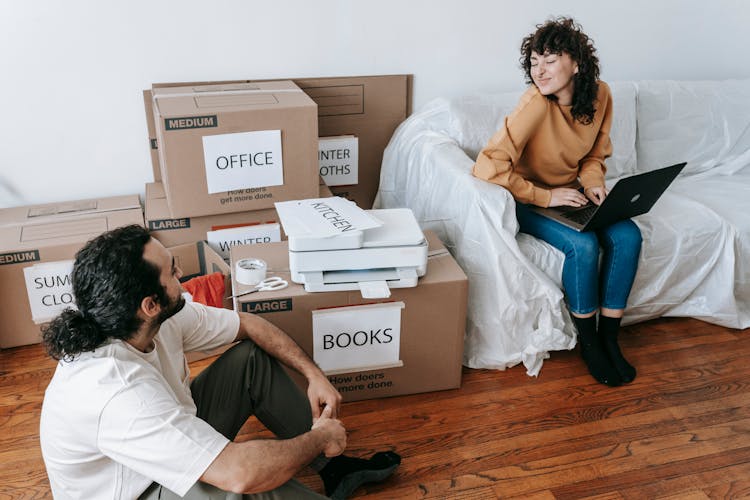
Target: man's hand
pixel 258 465
pixel 596 194
pixel 567 196
pixel 321 394
pixel 334 431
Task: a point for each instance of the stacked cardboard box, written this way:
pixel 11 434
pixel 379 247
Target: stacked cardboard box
pixel 233 148
pixel 37 247
pixel 424 349
pixel 356 118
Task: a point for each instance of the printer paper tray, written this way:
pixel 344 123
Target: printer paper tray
pixel 330 281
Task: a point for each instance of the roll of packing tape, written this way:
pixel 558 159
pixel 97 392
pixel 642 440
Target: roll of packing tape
pixel 250 271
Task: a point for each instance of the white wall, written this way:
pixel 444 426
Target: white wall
pixel 71 72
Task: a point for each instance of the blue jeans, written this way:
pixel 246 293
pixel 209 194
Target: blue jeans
pixel 585 287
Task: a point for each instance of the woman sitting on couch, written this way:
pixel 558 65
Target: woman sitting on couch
pixel 551 153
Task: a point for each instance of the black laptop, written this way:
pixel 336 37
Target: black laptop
pixel 631 196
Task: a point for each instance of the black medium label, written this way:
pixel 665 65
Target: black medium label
pixel 191 122
pixel 19 257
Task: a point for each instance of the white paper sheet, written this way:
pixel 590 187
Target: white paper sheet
pixel 357 338
pixel 323 217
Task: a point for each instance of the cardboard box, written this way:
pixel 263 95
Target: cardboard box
pixel 170 231
pixel 432 325
pixel 368 107
pixel 231 148
pixel 36 258
pixel 198 259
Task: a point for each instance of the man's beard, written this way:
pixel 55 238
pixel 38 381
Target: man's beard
pixel 173 307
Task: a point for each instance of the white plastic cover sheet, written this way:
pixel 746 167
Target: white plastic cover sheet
pixel 696 238
pixel 706 123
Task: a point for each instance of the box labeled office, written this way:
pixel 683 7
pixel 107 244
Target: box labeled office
pixel 408 343
pixel 231 148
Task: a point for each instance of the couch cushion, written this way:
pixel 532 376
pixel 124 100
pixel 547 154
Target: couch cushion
pixel 475 118
pixel 706 124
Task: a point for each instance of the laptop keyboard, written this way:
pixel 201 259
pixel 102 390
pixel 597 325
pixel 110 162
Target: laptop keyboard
pixel 581 216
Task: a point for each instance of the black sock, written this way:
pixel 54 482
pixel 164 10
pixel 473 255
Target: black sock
pixel 608 329
pixel 593 353
pixel 342 475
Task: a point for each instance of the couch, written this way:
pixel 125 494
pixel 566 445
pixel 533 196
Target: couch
pixel 695 259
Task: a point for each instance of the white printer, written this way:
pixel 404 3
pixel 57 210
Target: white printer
pixel 373 260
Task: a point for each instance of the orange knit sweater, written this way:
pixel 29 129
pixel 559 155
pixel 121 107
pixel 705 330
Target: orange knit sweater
pixel 541 146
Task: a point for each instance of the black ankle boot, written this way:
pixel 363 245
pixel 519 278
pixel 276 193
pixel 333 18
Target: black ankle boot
pixel 593 354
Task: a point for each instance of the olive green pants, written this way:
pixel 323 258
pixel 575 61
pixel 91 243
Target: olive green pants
pixel 246 381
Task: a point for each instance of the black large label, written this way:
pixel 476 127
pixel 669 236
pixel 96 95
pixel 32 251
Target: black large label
pixel 167 224
pixel 267 306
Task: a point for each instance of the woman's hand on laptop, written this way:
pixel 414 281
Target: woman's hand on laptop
pixel 567 196
pixel 596 194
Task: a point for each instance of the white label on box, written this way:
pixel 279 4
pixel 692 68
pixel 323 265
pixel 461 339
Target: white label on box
pixel 243 160
pixel 322 217
pixel 357 338
pixel 224 239
pixel 50 289
pixel 338 160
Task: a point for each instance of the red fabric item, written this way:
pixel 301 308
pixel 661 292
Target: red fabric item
pixel 207 289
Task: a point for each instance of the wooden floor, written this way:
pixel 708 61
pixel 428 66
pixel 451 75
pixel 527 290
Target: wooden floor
pixel 681 430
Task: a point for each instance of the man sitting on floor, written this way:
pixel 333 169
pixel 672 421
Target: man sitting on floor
pixel 121 419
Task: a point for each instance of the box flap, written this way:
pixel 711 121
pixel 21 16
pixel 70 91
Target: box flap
pixel 157 209
pixel 155 190
pixel 338 99
pixel 218 101
pixel 65 231
pixel 187 258
pixel 172 101
pixel 213 87
pixel 54 211
pixel 63 228
pixel 197 259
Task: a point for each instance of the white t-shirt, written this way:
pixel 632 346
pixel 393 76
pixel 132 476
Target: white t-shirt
pixel 116 419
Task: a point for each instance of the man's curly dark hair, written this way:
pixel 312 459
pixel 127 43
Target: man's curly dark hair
pixel 110 279
pixel 565 35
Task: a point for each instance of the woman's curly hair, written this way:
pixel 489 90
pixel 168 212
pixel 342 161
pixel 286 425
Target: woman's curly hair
pixel 564 35
pixel 110 278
